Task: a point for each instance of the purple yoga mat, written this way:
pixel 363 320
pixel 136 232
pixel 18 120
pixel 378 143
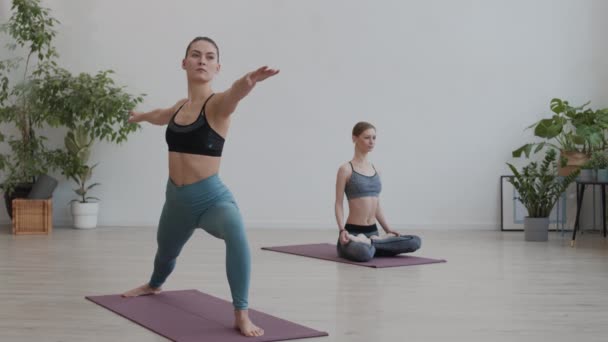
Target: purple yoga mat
pixel 190 315
pixel 328 251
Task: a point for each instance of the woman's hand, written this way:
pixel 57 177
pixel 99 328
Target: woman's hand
pixel 392 232
pixel 241 88
pixel 260 75
pixel 135 117
pixel 344 237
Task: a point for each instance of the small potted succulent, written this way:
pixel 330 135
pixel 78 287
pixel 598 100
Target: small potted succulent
pixel 600 162
pixel 587 173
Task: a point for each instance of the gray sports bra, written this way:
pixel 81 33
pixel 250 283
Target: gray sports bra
pixel 362 186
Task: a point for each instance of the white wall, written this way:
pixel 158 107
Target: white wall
pixel 450 86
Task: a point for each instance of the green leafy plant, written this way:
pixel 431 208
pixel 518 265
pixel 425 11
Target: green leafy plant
pixel 31 29
pixel 598 160
pixel 589 165
pixel 94 109
pixel 78 145
pixel 601 161
pixel 539 186
pixel 570 129
pixel 93 102
pixel 91 105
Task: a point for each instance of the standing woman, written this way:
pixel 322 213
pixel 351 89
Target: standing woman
pixel 358 179
pixel 195 196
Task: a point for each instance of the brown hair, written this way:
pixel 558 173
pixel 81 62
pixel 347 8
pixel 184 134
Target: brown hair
pixel 361 127
pixel 207 39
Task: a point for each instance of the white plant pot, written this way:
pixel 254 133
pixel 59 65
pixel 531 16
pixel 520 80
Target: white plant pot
pixel 85 215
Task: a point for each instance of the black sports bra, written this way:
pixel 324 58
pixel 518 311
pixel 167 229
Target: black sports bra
pixel 195 138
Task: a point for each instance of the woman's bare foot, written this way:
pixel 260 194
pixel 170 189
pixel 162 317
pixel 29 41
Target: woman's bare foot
pixel 360 238
pixel 244 324
pixel 385 236
pixel 141 291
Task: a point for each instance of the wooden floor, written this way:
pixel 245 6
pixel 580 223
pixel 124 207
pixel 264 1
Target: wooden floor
pixel 494 287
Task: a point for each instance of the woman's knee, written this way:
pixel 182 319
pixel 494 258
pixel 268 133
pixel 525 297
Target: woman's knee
pixel 233 227
pixel 223 221
pixel 397 245
pixel 411 242
pixel 356 251
pixel 416 242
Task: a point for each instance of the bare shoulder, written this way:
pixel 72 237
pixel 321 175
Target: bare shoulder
pixel 165 114
pixel 345 170
pixel 215 106
pixel 376 169
pixel 177 104
pixel 218 97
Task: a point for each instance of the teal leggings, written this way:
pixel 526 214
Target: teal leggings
pixel 206 204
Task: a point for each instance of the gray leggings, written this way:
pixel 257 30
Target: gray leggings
pixel 390 246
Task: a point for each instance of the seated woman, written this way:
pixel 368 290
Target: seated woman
pixel 359 180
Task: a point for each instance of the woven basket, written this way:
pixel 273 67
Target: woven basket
pixel 32 216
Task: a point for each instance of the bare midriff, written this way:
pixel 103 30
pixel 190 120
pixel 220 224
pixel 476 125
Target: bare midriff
pixel 187 168
pixel 362 211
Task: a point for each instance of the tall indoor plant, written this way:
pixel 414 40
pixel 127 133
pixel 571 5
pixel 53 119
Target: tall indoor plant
pixel 31 30
pixel 50 96
pixel 539 187
pixel 94 109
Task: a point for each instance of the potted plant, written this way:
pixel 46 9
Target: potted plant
pixel 31 28
pixel 51 96
pixel 599 162
pixel 78 145
pixel 94 109
pixel 587 171
pixel 576 131
pixel 539 187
